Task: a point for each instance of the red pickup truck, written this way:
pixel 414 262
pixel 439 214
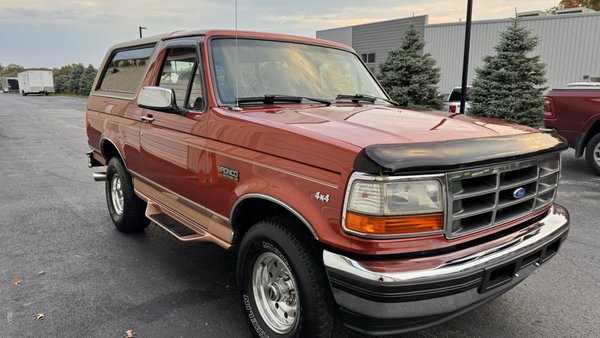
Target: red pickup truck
pixel 574 112
pixel 342 206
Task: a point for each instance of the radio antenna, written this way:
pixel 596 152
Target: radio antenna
pixel 237 70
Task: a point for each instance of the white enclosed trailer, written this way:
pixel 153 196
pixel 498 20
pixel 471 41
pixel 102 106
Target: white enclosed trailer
pixel 36 82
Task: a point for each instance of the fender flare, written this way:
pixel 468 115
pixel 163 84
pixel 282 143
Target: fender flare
pixel 106 139
pixel 583 138
pixel 278 202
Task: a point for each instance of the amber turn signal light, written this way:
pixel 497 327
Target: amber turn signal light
pixel 397 225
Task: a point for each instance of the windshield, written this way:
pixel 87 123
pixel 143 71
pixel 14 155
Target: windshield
pixel 285 68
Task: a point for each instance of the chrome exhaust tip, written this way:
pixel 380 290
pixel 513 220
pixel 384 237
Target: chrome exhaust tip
pixel 99 176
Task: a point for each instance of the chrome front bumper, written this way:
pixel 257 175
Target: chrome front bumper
pixel 391 302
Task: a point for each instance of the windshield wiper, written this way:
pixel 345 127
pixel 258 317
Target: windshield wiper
pixel 270 99
pixel 364 98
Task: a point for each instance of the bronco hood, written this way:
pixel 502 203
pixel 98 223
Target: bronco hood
pixel 366 125
pixel 395 139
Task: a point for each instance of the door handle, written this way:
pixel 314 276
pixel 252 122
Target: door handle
pixel 147 118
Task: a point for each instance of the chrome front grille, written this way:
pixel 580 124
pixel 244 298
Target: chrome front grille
pixel 490 196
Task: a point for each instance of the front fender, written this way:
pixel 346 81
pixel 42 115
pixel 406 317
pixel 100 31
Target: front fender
pixel 321 216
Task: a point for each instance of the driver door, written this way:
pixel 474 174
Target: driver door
pixel 173 143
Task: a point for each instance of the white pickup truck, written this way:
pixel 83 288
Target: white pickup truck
pixel 452 103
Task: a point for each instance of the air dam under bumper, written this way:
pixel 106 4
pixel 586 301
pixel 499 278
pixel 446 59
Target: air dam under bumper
pixel 393 302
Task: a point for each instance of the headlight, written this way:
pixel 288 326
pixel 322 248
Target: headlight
pixel 388 208
pixel 395 198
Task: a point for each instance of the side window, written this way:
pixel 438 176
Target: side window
pixel 126 70
pixel 181 73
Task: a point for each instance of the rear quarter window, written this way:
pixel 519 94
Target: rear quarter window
pixel 126 70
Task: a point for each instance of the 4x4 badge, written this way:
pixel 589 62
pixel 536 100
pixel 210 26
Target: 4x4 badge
pixel 321 197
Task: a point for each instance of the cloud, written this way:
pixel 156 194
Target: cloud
pixel 438 11
pixel 82 30
pixel 326 19
pixel 89 4
pixel 304 22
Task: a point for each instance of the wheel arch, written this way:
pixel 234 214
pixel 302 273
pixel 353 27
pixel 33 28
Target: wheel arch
pixel 109 149
pixel 591 132
pixel 244 213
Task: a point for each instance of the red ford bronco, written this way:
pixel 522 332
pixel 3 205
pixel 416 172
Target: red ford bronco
pixel 344 208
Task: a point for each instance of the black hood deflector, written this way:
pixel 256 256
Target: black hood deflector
pixel 434 157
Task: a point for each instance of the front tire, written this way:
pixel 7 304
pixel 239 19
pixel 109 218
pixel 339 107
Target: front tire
pixel 592 153
pixel 283 287
pixel 127 211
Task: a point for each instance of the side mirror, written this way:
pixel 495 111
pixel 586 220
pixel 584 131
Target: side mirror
pixel 157 98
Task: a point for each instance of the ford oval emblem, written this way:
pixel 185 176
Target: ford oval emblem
pixel 519 192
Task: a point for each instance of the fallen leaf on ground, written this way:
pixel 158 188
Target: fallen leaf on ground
pixel 39 316
pixel 129 334
pixel 16 281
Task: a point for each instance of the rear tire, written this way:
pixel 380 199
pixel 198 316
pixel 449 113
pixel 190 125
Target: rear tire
pixel 284 290
pixel 127 211
pixel 592 153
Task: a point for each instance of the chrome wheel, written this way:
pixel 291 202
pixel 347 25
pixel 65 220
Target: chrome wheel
pixel 275 293
pixel 116 194
pixel 597 154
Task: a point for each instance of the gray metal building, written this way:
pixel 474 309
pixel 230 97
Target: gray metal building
pixel 373 41
pixel 569 44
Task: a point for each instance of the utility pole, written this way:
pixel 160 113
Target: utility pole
pixel 463 92
pixel 141 30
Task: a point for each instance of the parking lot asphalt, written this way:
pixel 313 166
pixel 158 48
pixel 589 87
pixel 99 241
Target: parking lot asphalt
pixel 58 244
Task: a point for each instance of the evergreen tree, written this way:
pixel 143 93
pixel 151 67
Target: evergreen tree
pixel 87 79
pixel 75 77
pixel 61 83
pixel 66 70
pixel 409 76
pixel 509 85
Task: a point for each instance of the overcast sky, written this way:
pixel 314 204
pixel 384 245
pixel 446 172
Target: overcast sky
pixel 43 33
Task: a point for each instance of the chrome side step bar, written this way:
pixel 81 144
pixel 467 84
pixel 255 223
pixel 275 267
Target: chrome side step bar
pixel 171 225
